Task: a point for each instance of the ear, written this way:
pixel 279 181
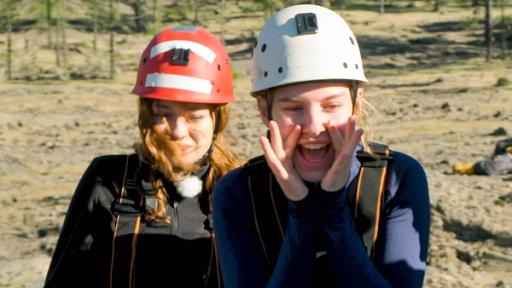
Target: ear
pixel 263 109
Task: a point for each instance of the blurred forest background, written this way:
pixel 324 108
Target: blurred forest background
pixel 103 22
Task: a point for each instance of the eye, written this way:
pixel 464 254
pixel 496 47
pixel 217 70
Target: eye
pixel 291 108
pixel 159 117
pixel 157 120
pixel 332 107
pixel 197 115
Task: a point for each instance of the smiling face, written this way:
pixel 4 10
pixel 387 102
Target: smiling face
pixel 311 105
pixel 183 130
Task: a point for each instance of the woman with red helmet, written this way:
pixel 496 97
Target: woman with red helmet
pixel 143 219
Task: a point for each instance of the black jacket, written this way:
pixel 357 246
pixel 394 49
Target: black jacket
pixel 107 242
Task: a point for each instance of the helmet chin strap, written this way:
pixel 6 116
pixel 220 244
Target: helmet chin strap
pixel 205 160
pixel 206 157
pixel 354 87
pixel 269 104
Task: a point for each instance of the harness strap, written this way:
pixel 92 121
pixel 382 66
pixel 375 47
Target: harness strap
pixel 214 257
pixel 214 262
pixel 125 234
pixel 269 207
pixel 370 194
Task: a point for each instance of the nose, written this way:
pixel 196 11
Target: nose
pixel 314 122
pixel 177 127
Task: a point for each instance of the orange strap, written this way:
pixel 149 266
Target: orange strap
pixel 370 189
pixel 121 220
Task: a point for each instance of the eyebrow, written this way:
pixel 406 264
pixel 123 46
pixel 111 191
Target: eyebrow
pixel 293 98
pixel 164 106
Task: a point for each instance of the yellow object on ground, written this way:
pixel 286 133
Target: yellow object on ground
pixel 463 168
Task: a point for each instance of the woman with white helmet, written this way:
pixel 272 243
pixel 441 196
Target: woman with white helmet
pixel 144 219
pixel 299 216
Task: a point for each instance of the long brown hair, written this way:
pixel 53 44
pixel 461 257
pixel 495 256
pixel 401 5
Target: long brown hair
pixel 221 159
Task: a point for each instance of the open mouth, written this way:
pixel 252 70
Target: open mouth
pixel 314 153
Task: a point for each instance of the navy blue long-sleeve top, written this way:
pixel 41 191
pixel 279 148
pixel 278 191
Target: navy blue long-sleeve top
pixel 401 249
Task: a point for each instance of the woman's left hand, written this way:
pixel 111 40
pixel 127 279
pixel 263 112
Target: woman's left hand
pixel 337 176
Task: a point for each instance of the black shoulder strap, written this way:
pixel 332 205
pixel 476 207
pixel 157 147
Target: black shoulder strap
pixel 128 212
pixel 269 207
pixel 370 193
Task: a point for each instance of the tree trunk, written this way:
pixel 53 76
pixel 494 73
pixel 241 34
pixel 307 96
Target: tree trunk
pixel 196 12
pixel 111 51
pixel 56 43
pixel 64 44
pixel 437 5
pixel 9 40
pixel 343 4
pixel 381 11
pixel 222 20
pixel 59 36
pixel 488 29
pixel 325 3
pixel 137 10
pixel 504 33
pixel 502 6
pixel 49 22
pixel 95 26
pixel 155 16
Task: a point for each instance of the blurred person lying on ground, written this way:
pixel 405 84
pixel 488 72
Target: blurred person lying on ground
pixel 500 163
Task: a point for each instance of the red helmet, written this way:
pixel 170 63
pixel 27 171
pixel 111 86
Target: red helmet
pixel 185 64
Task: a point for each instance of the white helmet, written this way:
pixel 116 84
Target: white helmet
pixel 305 43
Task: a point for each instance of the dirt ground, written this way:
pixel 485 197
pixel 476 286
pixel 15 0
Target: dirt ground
pixel 436 99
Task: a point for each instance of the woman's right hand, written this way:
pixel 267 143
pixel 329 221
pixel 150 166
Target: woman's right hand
pixel 278 152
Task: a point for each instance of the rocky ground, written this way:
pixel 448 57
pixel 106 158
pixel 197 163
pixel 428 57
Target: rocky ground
pixel 436 99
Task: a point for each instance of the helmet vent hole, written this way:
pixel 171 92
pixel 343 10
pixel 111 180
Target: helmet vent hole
pixel 345 65
pixel 351 40
pixel 280 70
pixel 265 74
pixel 255 43
pixel 144 60
pixel 263 48
pixel 218 67
pixel 357 66
pixel 218 90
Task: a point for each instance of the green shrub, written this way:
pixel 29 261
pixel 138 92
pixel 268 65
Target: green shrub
pixel 235 73
pixel 503 81
pixel 472 23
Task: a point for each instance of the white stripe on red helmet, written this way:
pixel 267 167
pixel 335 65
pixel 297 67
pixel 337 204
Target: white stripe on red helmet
pixel 201 50
pixel 179 82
